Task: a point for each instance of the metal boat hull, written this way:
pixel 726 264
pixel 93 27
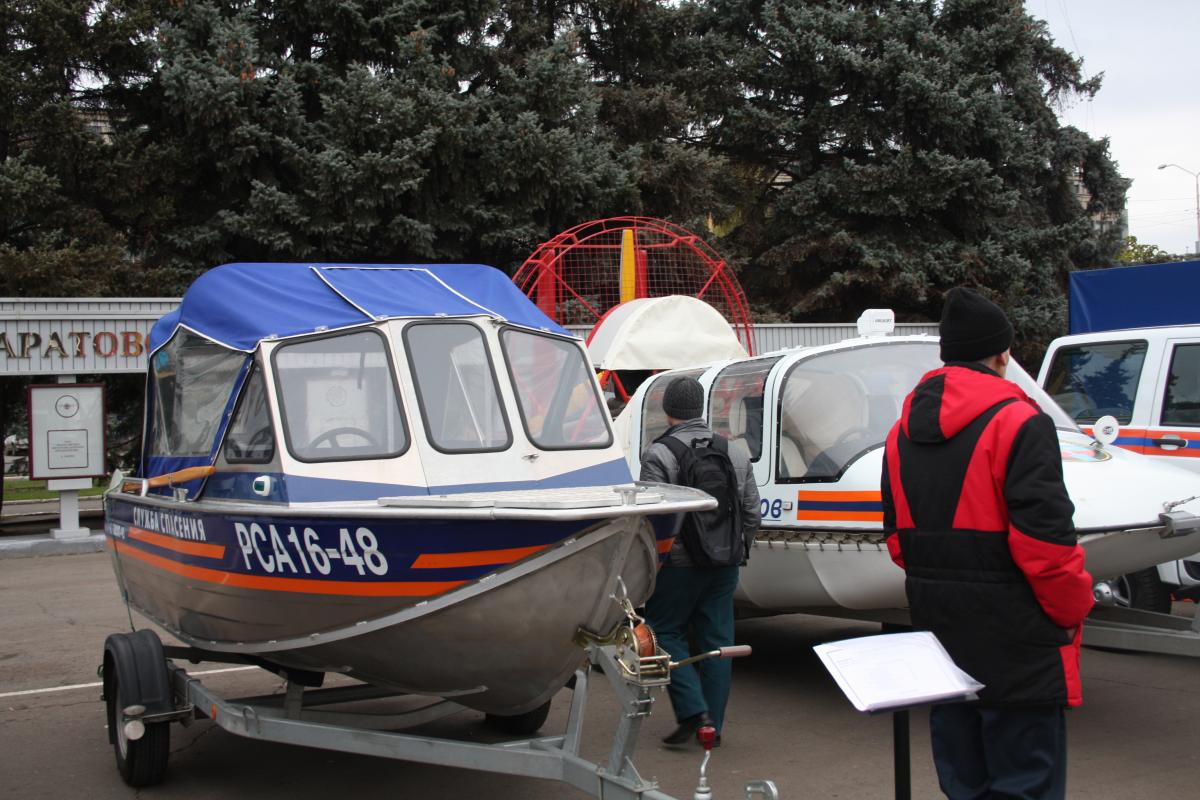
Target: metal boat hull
pixel 482 611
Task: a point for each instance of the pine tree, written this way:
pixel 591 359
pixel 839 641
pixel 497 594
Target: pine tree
pixel 61 232
pixel 901 147
pixel 371 130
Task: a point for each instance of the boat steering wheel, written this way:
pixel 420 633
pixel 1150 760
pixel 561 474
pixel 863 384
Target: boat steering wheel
pixel 332 434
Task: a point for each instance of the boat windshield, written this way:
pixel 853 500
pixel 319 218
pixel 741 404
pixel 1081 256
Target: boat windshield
pixel 338 398
pixel 835 406
pixel 456 386
pixel 250 439
pixel 193 379
pixel 556 393
pixel 735 404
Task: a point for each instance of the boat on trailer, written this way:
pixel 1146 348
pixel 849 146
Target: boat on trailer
pixel 400 473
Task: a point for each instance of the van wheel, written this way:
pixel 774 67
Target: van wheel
pixel 1143 590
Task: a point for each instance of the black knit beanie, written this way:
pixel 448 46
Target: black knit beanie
pixel 684 399
pixel 972 327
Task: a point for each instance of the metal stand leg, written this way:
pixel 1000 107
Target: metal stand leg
pixel 901 756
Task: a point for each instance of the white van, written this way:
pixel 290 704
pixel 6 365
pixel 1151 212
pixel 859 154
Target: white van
pixel 1149 380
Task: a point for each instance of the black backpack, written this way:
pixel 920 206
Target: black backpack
pixel 712 538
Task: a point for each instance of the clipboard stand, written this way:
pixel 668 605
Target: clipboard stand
pixel 895 673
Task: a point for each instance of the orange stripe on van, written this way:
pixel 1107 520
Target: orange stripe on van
pixel 298 585
pixel 475 558
pixel 178 545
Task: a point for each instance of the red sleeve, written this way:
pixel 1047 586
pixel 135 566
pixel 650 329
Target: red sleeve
pixel 1061 584
pixel 889 508
pixel 1041 533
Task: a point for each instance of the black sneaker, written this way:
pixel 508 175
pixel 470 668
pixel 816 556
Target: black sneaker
pixel 687 728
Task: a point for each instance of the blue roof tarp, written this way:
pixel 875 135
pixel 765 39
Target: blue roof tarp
pixel 1134 297
pixel 240 304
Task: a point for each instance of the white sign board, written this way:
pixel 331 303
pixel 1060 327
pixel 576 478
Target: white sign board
pixel 66 431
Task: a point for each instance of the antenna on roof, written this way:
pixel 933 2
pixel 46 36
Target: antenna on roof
pixel 876 322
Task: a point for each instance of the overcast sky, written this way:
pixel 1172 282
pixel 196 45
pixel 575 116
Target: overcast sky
pixel 1148 105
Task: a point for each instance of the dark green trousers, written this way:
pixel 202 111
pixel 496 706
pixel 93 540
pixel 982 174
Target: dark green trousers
pixel 699 598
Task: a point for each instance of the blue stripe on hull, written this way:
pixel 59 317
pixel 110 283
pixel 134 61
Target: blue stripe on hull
pixel 324 549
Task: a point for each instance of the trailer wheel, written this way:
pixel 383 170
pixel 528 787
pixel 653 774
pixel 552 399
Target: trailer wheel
pixel 520 724
pixel 1143 590
pixel 142 761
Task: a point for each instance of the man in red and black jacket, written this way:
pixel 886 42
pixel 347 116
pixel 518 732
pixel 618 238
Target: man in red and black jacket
pixel 977 515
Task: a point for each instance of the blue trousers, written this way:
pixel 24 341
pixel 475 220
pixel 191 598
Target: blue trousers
pixel 700 598
pixel 994 753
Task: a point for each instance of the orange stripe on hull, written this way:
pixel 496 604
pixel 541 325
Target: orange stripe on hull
pixel 475 558
pixel 848 516
pixel 298 585
pixel 178 545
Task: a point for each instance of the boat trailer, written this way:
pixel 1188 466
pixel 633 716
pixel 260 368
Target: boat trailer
pixel 145 690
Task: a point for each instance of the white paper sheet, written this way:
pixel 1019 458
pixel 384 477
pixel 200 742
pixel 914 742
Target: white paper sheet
pixel 895 670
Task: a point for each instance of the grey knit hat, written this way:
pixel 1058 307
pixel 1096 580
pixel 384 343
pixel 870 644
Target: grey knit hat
pixel 684 399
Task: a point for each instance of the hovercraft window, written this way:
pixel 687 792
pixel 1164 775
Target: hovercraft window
pixel 654 419
pixel 338 398
pixel 456 386
pixel 193 378
pixel 735 405
pixel 556 392
pixel 836 406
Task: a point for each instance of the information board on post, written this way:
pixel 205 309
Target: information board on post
pixel 66 431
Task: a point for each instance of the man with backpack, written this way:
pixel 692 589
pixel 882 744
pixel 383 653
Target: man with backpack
pixel 695 586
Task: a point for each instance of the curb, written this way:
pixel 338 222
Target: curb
pixel 46 545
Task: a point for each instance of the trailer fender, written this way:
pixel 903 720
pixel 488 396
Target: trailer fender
pixel 138 662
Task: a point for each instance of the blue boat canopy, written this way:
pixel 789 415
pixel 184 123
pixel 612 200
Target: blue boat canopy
pixel 238 305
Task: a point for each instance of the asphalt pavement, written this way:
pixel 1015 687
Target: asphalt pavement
pixel 1134 739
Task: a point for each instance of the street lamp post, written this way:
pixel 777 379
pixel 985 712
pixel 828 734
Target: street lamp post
pixel 1196 177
